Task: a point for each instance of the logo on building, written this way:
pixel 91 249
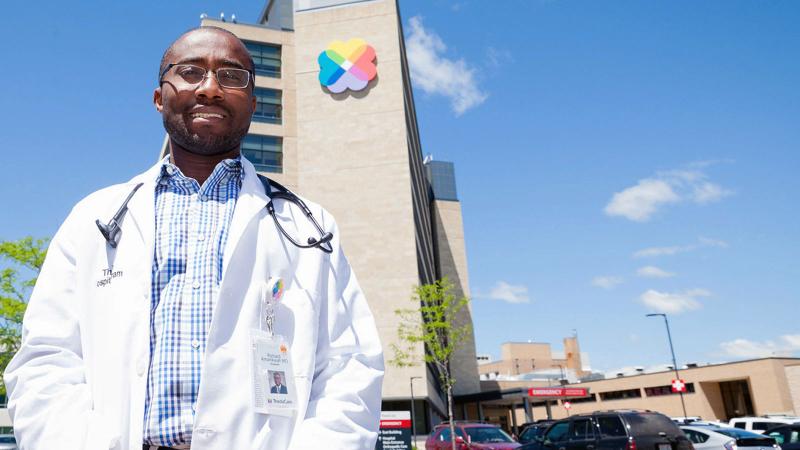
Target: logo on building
pixel 347 65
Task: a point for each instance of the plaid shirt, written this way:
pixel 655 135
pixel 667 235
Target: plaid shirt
pixel 192 224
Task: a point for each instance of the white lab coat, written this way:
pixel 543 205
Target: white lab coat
pixel 79 379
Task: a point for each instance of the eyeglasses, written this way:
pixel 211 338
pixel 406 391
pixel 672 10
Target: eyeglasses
pixel 193 75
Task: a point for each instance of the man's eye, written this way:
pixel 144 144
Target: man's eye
pixel 190 72
pixel 233 75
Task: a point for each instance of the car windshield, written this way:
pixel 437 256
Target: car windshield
pixel 737 433
pixel 487 434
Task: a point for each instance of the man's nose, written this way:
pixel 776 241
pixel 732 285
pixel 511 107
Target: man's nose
pixel 209 87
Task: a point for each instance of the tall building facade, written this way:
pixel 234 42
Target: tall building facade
pixel 358 154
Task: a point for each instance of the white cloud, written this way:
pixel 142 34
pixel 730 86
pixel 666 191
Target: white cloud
pixel 642 201
pixel 675 249
pixel 673 302
pixel 653 272
pixel 509 293
pixel 434 73
pixel 606 282
pixel 787 345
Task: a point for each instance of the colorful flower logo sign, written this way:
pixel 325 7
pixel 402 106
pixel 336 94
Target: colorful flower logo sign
pixel 347 65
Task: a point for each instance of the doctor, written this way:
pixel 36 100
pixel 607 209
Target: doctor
pixel 147 344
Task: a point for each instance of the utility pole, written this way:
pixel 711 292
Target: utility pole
pixel 674 363
pixel 413 422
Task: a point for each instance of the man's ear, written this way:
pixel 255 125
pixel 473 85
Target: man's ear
pixel 253 102
pixel 158 100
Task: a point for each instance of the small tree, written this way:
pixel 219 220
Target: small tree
pixel 26 257
pixel 432 323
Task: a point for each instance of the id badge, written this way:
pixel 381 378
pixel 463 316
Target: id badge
pixel 271 361
pixel 273 378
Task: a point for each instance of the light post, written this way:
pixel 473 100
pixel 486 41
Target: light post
pixel 674 363
pixel 413 422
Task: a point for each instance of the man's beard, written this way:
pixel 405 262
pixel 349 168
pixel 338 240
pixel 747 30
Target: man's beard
pixel 209 145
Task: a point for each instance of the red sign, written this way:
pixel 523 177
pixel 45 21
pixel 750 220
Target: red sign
pixel 557 392
pixel 567 405
pixel 395 419
pixel 678 386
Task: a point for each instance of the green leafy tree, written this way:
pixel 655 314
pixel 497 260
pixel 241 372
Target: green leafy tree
pixel 26 257
pixel 433 323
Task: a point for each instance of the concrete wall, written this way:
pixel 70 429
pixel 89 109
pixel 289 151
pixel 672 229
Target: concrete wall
pixel 352 157
pixel 452 257
pixel 793 381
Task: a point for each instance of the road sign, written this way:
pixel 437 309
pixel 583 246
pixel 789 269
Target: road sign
pixel 557 392
pixel 567 405
pixel 678 386
pixel 395 431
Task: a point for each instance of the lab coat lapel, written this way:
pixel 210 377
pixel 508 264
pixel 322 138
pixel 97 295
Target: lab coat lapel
pixel 252 200
pixel 141 208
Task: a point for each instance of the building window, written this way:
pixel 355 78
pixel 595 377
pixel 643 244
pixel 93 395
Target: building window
pixel 590 398
pixel 267 58
pixel 265 152
pixel 621 395
pixel 655 391
pixel 441 175
pixel 268 105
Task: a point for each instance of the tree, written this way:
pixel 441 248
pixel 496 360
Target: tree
pixel 26 257
pixel 434 324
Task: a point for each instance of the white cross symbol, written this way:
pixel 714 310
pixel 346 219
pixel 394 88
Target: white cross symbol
pixel 678 385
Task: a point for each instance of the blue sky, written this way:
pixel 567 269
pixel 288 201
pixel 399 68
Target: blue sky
pixel 613 158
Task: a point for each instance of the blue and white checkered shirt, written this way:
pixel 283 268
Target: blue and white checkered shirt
pixel 192 224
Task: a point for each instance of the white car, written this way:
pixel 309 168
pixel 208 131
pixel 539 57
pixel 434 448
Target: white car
pixel 761 424
pixel 724 438
pixel 7 442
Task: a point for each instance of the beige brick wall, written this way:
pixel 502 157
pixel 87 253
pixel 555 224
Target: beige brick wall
pixel 793 381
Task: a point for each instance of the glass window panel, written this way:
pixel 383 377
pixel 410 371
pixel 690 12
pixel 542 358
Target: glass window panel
pixel 267 58
pixel 265 152
pixel 268 106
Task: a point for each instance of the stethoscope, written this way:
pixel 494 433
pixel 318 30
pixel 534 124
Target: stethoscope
pixel 111 230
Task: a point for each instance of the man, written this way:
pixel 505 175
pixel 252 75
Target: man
pixel 278 387
pixel 144 340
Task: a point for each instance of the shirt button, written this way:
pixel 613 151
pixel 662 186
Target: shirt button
pixel 195 343
pixel 170 170
pixel 196 284
pixel 203 198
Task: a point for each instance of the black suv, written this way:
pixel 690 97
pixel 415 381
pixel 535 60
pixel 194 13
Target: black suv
pixel 613 430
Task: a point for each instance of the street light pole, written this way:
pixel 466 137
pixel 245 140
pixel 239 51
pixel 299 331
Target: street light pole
pixel 413 422
pixel 674 363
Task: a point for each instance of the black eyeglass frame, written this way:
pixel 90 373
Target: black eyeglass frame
pixel 251 76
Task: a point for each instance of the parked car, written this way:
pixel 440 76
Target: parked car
pixel 761 424
pixel 531 431
pixel 787 436
pixel 8 442
pixel 613 430
pixel 470 436
pixel 727 438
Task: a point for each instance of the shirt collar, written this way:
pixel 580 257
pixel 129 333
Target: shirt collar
pixel 169 171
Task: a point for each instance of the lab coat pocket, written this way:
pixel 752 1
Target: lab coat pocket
pixel 297 321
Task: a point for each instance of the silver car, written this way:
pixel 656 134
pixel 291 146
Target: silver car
pixel 7 442
pixel 726 438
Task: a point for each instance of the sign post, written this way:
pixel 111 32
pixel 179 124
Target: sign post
pixel 567 406
pixel 395 431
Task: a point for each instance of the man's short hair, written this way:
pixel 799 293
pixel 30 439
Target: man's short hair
pixel 168 51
